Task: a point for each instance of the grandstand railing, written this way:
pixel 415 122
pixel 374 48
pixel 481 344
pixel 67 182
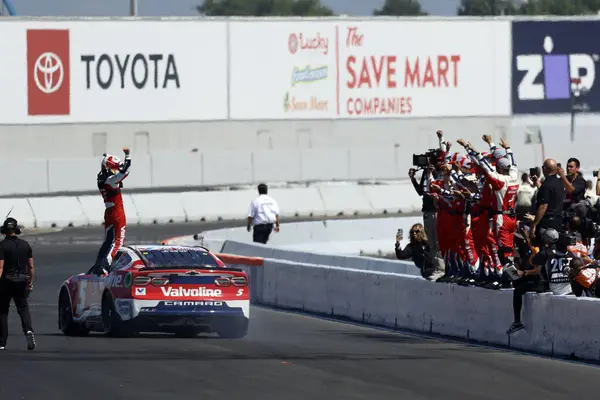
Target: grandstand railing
pixel 7 8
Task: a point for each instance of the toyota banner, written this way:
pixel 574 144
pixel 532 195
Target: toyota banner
pixel 554 64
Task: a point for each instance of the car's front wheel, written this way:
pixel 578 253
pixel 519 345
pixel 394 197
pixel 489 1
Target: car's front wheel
pixel 65 318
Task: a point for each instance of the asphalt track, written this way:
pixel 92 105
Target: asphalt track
pixel 285 355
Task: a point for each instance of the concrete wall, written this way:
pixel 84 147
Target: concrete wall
pixel 406 136
pixel 91 140
pixel 64 158
pixel 554 325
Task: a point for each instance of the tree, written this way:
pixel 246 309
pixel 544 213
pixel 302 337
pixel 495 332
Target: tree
pixel 530 7
pixel 487 7
pixel 560 7
pixel 263 8
pixel 400 7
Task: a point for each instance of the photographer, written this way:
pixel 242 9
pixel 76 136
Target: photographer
pixel 431 164
pixel 574 183
pixel 418 250
pixel 16 280
pixel 549 202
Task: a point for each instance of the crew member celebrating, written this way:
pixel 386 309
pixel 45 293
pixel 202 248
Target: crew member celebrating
pixel 110 182
pixel 505 184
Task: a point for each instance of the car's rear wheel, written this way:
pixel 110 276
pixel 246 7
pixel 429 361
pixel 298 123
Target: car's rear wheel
pixel 233 330
pixel 65 318
pixel 111 320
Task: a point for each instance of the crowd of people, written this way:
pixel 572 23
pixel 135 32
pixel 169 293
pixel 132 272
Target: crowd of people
pixel 485 224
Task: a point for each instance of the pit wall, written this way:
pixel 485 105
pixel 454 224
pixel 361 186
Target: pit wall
pixel 554 325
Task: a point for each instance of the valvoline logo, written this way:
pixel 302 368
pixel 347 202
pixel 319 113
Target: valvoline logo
pixel 548 74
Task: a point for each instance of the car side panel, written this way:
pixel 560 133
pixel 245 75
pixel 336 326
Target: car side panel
pixel 86 294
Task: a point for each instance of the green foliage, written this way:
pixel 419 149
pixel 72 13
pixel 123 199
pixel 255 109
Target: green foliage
pixel 263 8
pixel 531 7
pixel 487 7
pixel 399 8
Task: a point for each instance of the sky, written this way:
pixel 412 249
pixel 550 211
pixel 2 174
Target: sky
pixel 91 8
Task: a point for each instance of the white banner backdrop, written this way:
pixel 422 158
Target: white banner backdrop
pixel 95 71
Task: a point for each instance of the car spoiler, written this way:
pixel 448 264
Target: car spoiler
pixel 191 269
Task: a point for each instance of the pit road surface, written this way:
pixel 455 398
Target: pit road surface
pixel 284 356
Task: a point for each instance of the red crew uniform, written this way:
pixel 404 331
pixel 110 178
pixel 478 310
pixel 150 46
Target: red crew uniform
pixel 110 182
pixel 444 207
pixel 502 211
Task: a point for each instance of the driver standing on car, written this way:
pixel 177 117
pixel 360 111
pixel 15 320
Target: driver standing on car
pixel 110 182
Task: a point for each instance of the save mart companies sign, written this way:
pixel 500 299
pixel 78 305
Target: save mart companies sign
pixel 389 69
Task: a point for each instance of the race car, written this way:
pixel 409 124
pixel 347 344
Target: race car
pixel 173 289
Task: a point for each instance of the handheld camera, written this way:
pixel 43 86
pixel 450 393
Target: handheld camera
pixel 427 159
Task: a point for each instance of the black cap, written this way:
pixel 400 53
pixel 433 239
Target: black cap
pixel 10 223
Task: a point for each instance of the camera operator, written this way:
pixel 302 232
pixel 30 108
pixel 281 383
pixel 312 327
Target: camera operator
pixel 16 280
pixel 549 202
pixel 574 183
pixel 418 250
pixel 432 170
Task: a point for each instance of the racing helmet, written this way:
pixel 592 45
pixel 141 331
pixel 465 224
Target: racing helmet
pixel 111 163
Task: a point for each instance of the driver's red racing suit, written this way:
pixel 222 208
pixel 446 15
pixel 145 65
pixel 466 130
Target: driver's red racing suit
pixel 110 186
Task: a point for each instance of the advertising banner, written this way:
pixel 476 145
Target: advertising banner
pixel 551 61
pixel 369 69
pixel 116 71
pixel 283 70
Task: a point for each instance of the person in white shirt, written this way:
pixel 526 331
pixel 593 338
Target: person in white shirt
pixel 527 190
pixel 263 214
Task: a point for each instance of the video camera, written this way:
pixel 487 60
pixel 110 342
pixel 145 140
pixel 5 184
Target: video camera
pixel 427 159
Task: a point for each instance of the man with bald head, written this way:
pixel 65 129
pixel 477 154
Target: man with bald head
pixel 549 202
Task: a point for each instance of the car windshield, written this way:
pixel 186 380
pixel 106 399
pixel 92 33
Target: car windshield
pixel 178 257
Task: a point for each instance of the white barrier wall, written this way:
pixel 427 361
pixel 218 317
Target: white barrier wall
pixel 554 325
pixel 244 167
pixel 209 168
pixel 316 201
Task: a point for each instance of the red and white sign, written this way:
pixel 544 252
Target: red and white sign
pixel 114 71
pixel 369 69
pixel 48 72
pixel 383 77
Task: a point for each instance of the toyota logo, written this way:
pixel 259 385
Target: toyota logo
pixel 51 68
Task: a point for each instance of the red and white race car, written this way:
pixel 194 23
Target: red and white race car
pixel 175 289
